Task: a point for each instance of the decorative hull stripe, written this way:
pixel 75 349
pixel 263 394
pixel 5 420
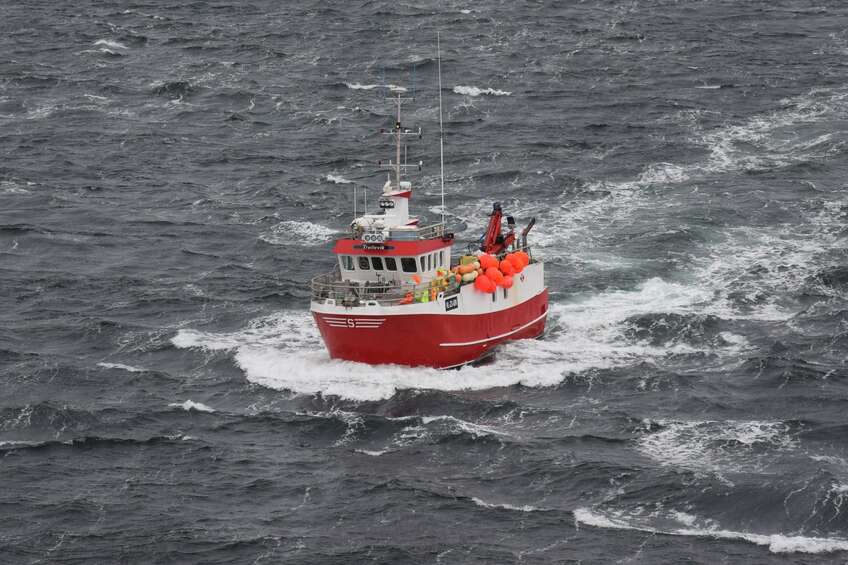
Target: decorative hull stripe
pixel 501 336
pixel 353 323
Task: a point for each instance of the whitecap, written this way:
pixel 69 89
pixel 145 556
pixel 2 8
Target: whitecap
pixel 294 232
pixel 716 446
pixel 371 453
pixel 475 91
pixel 9 187
pixel 190 405
pixel 358 86
pixel 475 430
pixel 776 543
pixel 121 366
pixel 484 504
pixel 111 44
pixel 338 179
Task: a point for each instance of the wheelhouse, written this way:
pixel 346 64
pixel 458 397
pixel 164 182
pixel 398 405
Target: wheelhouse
pixel 398 261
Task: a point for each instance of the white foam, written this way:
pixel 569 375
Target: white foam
pixel 285 350
pixel 484 504
pixel 371 453
pixel 15 443
pixel 190 405
pixel 776 543
pixel 9 187
pixel 476 430
pixel 716 446
pixel 357 86
pixel 294 232
pixel 121 366
pixel 338 179
pixel 111 44
pixel 475 91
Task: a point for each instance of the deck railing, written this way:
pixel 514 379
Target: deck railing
pixel 383 293
pixel 426 232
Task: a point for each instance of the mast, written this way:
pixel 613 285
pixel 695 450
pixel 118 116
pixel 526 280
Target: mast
pixel 399 132
pixel 397 141
pixel 441 128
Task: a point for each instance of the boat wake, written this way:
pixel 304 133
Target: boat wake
pixel 284 351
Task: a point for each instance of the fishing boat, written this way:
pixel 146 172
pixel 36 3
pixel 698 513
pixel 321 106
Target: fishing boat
pixel 400 295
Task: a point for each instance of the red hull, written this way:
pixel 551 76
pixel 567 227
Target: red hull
pixel 431 340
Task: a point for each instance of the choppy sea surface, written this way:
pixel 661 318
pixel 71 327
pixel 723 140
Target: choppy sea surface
pixel 173 173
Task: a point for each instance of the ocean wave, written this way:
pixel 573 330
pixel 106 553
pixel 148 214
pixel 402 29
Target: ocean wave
pixel 92 442
pixel 294 232
pixel 358 86
pixel 110 44
pixel 371 453
pixel 503 506
pixel 122 367
pixel 776 543
pixel 338 179
pixel 190 405
pixel 10 187
pixel 721 447
pixel 475 91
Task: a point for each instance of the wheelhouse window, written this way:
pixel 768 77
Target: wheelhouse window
pixel 423 262
pixel 430 262
pixel 347 262
pixel 363 263
pixel 377 263
pixel 407 264
pixel 441 258
pixel 391 264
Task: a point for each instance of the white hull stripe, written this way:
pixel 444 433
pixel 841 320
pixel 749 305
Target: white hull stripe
pixel 507 334
pixel 358 320
pixel 353 323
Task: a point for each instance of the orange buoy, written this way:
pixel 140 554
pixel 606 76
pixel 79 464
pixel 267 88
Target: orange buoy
pixel 482 283
pixel 524 257
pixel 507 268
pixel 507 282
pixel 494 274
pixel 458 278
pixel 416 279
pixel 487 261
pixel 516 262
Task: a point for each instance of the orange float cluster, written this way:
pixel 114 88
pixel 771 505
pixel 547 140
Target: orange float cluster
pixel 488 273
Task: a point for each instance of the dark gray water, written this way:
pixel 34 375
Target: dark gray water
pixel 173 173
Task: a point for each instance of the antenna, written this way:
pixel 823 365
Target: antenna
pixel 441 127
pixel 354 201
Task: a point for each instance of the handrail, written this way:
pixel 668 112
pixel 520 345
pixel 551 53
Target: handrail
pixel 427 232
pixel 385 293
pixel 352 293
